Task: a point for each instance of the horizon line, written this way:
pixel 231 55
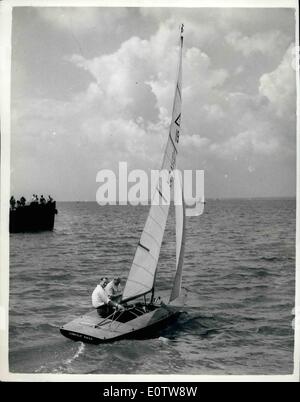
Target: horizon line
pixel 206 199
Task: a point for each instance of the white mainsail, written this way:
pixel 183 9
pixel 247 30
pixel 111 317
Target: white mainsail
pixel 141 277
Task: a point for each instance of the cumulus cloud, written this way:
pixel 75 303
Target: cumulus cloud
pixel 82 19
pixel 279 86
pixel 263 42
pixel 123 109
pixel 137 80
pixel 251 142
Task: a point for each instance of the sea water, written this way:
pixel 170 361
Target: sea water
pixel 239 272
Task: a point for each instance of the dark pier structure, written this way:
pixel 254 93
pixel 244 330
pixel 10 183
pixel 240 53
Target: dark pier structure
pixel 32 218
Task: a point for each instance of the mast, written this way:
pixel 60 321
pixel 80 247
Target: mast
pixel 142 274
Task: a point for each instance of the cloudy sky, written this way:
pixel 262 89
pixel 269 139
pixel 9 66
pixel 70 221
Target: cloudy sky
pixel 94 86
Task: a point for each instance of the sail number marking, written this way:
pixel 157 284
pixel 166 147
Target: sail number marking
pixel 177 121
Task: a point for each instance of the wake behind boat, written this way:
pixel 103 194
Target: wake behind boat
pixel 143 310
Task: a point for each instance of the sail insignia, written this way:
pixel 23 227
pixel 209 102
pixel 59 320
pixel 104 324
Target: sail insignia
pixel 177 121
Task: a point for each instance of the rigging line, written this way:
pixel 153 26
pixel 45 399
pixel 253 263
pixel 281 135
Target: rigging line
pixel 119 322
pixel 112 318
pixel 104 320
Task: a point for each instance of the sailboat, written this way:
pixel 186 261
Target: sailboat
pixel 144 311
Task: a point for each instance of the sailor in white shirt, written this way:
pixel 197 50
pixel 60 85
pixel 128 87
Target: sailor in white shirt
pixel 100 299
pixel 99 296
